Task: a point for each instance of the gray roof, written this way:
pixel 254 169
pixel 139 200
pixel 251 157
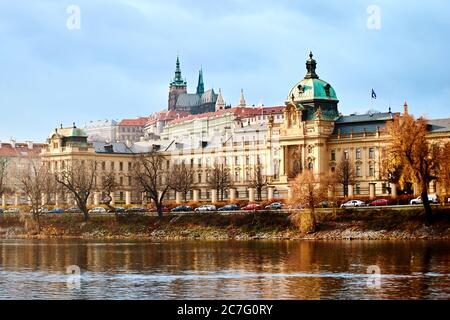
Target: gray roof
pixel 439 125
pixel 359 123
pixel 193 99
pixel 369 117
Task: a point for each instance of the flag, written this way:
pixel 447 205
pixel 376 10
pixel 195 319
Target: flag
pixel 374 95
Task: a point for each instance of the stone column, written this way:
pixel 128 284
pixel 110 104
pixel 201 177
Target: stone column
pixel 290 193
pixel 351 192
pixel 3 200
pixel 393 190
pixel 270 193
pixel 232 195
pixel 127 198
pixel 16 199
pixel 416 189
pixel 196 195
pixel 178 197
pixel 56 199
pixel 96 198
pixel 213 196
pixel 372 190
pixel 113 198
pixel 251 195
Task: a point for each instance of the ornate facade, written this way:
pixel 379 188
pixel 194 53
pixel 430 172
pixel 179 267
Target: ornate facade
pixel 308 133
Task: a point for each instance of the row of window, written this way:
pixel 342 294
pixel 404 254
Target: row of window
pixel 358 154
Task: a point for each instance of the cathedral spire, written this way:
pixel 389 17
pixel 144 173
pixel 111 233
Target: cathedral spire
pixel 242 102
pixel 311 67
pixel 201 85
pixel 178 80
pixel 220 103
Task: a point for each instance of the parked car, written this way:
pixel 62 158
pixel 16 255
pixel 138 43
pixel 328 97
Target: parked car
pixel 252 207
pixel 164 209
pixel 136 210
pixel 41 210
pixel 182 209
pixel 431 197
pixel 353 203
pixel 73 210
pixel 56 211
pixel 12 210
pixel 206 208
pixel 230 207
pixel 98 210
pixel 379 203
pixel 275 206
pixel 117 210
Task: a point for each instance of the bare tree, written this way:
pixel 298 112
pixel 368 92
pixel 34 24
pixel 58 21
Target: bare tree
pixel 150 177
pixel 258 180
pixel 108 185
pixel 219 179
pixel 78 178
pixel 421 157
pixel 345 174
pixel 37 182
pixel 182 179
pixel 4 163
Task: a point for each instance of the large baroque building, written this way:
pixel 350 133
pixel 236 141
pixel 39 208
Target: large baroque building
pixel 308 133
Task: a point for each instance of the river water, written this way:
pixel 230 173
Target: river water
pixel 38 269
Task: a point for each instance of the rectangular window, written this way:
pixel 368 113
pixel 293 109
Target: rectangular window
pixel 371 170
pixel 358 188
pixel 112 165
pixel 346 154
pixel 358 153
pixel 333 155
pixel 120 166
pixel 371 153
pixel 103 165
pixel 358 171
pixel 199 177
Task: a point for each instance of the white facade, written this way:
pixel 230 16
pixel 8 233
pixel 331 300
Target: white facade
pixel 101 130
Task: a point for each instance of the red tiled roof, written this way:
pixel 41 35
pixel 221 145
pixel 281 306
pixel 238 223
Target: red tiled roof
pixel 138 122
pixel 241 112
pixel 167 116
pixel 20 149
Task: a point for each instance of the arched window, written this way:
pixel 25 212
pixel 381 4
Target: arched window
pixel 311 165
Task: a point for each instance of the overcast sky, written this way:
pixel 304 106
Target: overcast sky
pixel 119 63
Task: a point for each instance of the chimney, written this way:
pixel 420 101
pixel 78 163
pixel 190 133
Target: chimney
pixel 13 143
pixel 30 145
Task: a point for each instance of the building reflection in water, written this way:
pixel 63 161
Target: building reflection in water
pixel 227 269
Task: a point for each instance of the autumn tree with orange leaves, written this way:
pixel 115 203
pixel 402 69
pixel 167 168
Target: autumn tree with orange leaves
pixel 417 155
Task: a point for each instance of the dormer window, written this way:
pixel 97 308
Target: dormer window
pixel 301 89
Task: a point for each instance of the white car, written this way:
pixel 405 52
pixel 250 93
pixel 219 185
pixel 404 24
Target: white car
pixel 98 210
pixel 206 208
pixel 12 210
pixel 353 203
pixel 431 197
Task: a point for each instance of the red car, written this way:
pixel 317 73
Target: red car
pixel 252 207
pixel 164 209
pixel 379 203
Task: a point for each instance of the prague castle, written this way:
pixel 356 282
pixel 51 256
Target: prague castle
pixel 306 133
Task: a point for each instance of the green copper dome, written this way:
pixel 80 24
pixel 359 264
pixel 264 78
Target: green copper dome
pixel 311 87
